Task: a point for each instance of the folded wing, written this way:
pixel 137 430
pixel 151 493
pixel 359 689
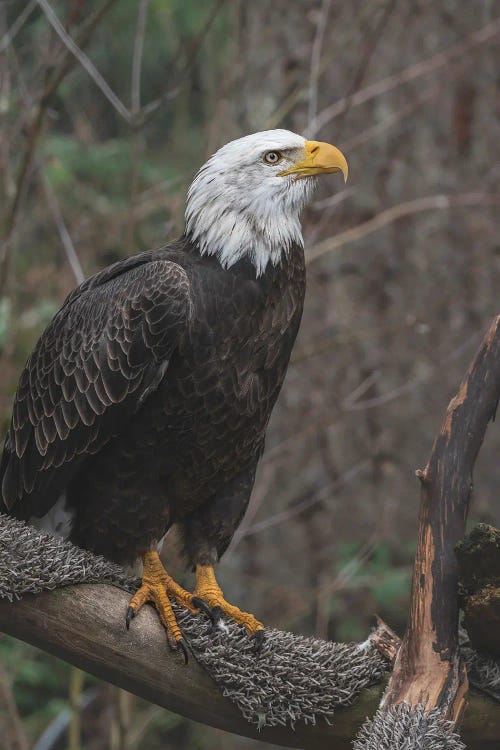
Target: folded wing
pixel 101 356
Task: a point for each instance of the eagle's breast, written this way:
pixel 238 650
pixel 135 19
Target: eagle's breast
pixel 212 409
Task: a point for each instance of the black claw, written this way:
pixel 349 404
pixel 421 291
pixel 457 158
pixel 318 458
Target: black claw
pixel 200 604
pixel 129 616
pixel 217 617
pixel 258 640
pixel 182 646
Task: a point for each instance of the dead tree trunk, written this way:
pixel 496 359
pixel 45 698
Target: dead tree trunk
pixel 429 670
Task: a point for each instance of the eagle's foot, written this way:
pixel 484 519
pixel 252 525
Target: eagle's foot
pixel 158 588
pixel 208 590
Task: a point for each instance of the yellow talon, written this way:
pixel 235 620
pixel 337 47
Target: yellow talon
pixel 208 590
pixel 158 588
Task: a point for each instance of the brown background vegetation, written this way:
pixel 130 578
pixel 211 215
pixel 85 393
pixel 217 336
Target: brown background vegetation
pixel 404 269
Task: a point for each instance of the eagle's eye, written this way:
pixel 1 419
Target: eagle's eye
pixel 273 157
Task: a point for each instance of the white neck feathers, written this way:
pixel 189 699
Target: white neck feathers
pixel 237 209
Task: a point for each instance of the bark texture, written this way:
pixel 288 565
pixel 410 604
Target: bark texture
pixel 84 625
pixel 429 670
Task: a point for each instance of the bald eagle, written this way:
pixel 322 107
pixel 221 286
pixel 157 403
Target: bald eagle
pixel 146 400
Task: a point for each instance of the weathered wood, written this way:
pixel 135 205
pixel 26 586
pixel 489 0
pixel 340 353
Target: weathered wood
pixel 386 641
pixel 479 575
pixel 428 669
pixel 84 625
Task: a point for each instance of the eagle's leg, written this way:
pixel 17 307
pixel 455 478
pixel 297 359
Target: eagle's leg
pixel 207 532
pixel 208 590
pixel 158 588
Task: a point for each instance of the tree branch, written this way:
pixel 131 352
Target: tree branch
pixel 150 109
pixel 316 49
pixel 476 40
pixel 140 33
pixel 84 61
pixel 8 37
pixel 429 669
pixel 53 78
pixel 373 38
pixel 401 210
pixel 67 242
pixel 84 625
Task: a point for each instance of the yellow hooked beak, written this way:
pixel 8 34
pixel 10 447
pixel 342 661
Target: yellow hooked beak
pixel 320 158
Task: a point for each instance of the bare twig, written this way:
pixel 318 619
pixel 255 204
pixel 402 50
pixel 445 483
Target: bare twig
pixel 285 107
pixel 259 494
pixel 54 207
pixel 74 53
pixel 26 12
pixel 475 40
pixel 361 389
pixel 343 579
pixel 381 127
pixel 360 139
pixel 140 32
pixel 332 200
pixel 51 83
pixel 144 722
pixel 372 41
pixel 317 47
pixel 68 60
pixel 150 109
pixel 66 240
pixel 324 493
pixel 352 404
pixel 135 98
pixel 390 215
pixel 85 62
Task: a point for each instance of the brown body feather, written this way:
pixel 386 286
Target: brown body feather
pixel 147 399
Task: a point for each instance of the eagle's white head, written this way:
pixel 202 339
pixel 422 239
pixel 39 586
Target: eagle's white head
pixel 246 200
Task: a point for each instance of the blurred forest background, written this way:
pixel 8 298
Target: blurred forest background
pixel 107 109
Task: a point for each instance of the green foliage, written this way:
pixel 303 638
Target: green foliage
pixel 40 686
pixel 380 579
pixel 102 168
pixel 392 588
pixel 39 683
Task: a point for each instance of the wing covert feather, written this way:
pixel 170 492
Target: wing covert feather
pixel 105 349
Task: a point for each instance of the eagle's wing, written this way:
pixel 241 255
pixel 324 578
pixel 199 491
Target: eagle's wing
pixel 102 354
